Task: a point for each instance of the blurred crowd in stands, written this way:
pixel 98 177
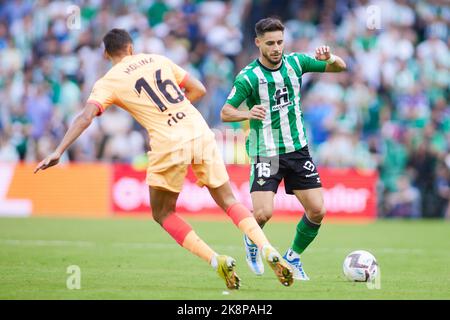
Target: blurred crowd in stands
pixel 389 112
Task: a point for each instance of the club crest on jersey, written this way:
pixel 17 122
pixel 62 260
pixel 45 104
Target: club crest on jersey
pixel 281 98
pixel 291 72
pixel 261 182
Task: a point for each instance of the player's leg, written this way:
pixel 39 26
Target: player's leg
pixel 262 206
pixel 308 227
pixel 245 221
pixel 262 211
pixel 163 204
pixel 165 176
pixel 265 177
pixel 304 182
pixel 211 172
pixel 241 216
pixel 209 168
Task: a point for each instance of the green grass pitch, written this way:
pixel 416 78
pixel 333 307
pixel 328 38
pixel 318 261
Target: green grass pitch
pixel 125 258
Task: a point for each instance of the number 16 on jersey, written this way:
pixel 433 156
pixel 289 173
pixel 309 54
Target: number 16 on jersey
pixel 162 91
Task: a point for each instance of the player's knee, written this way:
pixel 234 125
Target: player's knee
pixel 223 196
pixel 316 214
pixel 160 214
pixel 262 215
pixel 157 217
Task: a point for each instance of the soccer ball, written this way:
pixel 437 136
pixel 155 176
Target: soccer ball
pixel 360 266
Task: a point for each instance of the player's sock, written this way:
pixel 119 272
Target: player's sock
pixel 182 232
pixel 197 246
pixel 245 221
pixel 214 263
pixel 306 232
pixel 292 255
pixel 262 226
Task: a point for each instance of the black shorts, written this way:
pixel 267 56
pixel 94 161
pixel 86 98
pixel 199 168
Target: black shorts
pixel 296 168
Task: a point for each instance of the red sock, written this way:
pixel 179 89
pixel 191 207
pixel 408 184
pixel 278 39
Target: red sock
pixel 177 227
pixel 182 232
pixel 245 221
pixel 237 212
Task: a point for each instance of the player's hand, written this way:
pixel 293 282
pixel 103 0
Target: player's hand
pixel 258 112
pixel 323 53
pixel 48 162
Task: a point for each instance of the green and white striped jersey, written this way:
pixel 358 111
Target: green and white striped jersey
pixel 283 130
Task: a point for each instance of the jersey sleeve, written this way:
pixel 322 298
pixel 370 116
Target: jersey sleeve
pixel 180 74
pixel 241 91
pixel 102 96
pixel 310 64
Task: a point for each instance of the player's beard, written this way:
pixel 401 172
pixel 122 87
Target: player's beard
pixel 272 60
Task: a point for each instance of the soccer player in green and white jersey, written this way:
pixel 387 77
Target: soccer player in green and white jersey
pixel 277 143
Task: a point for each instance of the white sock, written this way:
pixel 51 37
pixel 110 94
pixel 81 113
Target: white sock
pixel 292 254
pixel 214 262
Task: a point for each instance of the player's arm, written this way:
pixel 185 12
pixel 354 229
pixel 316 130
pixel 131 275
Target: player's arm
pixel 102 96
pixel 193 88
pixel 334 63
pixel 81 123
pixel 230 112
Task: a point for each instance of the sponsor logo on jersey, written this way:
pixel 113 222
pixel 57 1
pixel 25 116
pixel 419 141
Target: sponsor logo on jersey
pixel 281 98
pixel 174 119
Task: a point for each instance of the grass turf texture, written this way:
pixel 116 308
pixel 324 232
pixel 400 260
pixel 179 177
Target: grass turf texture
pixel 124 258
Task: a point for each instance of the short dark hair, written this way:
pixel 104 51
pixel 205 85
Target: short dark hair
pixel 268 25
pixel 116 41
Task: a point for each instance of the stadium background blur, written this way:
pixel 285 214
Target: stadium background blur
pixel 389 112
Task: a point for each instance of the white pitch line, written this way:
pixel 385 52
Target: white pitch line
pixel 47 243
pixel 144 245
pixel 153 245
